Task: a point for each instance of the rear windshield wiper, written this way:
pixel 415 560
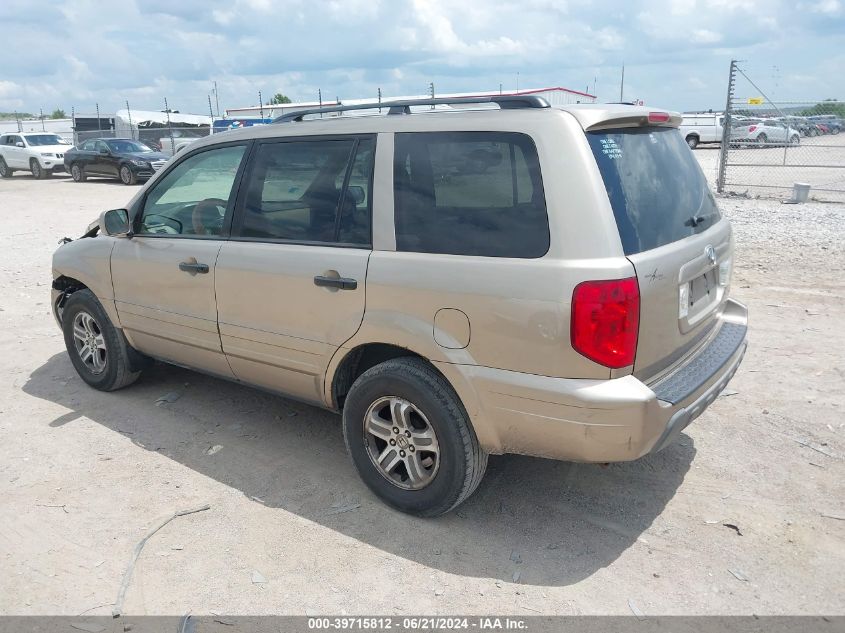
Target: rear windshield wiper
pixel 695 220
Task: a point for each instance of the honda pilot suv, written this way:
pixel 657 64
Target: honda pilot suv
pixel 456 278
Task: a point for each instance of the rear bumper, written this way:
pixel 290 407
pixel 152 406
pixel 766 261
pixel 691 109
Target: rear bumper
pixel 620 419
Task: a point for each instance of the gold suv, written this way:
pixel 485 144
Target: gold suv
pixel 457 278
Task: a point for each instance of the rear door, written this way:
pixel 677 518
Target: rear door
pixel 290 282
pixel 16 156
pixel 672 233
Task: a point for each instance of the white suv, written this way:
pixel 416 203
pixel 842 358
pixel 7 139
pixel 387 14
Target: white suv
pixel 41 153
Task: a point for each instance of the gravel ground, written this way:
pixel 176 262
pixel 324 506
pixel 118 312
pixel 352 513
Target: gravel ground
pixel 743 515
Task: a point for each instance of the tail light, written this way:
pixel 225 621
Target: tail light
pixel 606 321
pixel 658 117
pixel 751 128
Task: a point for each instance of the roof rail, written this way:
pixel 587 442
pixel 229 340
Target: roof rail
pixel 505 102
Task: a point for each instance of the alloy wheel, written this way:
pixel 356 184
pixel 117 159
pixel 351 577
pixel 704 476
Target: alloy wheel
pixel 89 342
pixel 401 443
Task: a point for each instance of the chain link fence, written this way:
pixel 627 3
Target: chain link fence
pixel 769 146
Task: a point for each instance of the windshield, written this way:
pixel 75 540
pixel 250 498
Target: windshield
pixel 657 190
pixel 128 147
pixel 45 139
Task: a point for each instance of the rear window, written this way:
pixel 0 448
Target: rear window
pixel 469 193
pixel 657 190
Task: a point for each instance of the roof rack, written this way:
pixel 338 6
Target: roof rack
pixel 505 102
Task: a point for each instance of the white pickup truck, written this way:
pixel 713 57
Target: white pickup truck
pixel 41 153
pixel 702 127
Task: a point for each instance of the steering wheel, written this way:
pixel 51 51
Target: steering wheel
pixel 206 217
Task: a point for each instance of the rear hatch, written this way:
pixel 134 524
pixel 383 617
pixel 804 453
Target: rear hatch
pixel 671 232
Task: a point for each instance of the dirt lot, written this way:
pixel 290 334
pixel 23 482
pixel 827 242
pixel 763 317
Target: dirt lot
pixel 291 530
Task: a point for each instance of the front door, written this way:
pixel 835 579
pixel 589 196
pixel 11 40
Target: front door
pixel 164 276
pixel 290 282
pixel 103 162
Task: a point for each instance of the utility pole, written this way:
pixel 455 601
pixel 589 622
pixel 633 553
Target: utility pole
pixel 260 104
pixel 726 129
pixel 431 88
pixel 217 99
pixel 129 116
pixel 41 111
pixel 169 127
pixel 99 126
pixel 622 85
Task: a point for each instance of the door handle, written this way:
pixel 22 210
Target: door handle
pixel 344 283
pixel 193 267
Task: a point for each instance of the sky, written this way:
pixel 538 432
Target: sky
pixel 676 53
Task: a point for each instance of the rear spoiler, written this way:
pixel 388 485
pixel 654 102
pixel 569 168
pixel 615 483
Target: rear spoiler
pixel 627 117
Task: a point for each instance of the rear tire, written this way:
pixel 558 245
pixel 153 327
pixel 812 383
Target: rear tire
pixel 762 140
pixel 77 172
pixel 127 176
pixel 99 351
pixel 795 139
pixel 38 172
pixel 692 141
pixel 416 410
pixel 5 170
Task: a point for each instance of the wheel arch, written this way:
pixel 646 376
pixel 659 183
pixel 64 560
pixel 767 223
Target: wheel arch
pixel 86 263
pixel 349 363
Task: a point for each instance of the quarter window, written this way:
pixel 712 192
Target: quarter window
pixel 192 198
pixel 310 191
pixel 469 193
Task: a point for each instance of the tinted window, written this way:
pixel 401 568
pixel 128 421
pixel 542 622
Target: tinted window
pixel 128 147
pixel 296 192
pixel 44 139
pixel 192 198
pixel 469 193
pixel 656 188
pixel 88 146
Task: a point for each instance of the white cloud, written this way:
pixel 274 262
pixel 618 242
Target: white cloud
pixel 827 7
pixel 143 50
pixel 705 36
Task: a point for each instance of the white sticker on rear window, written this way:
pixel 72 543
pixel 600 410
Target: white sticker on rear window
pixel 610 149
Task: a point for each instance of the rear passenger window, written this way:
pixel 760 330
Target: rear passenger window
pixel 469 193
pixel 310 191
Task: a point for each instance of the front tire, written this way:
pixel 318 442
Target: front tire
pixel 410 438
pixel 99 351
pixel 692 141
pixel 127 176
pixel 38 172
pixel 77 172
pixel 5 170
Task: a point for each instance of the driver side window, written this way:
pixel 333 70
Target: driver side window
pixel 193 197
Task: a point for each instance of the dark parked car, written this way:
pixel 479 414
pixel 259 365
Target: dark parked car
pixel 831 124
pixel 122 158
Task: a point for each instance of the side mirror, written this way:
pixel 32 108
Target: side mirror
pixel 115 223
pixel 356 194
pixel 19 144
pixel 103 150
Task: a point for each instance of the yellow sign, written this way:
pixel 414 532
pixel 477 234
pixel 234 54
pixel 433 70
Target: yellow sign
pixel 755 101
